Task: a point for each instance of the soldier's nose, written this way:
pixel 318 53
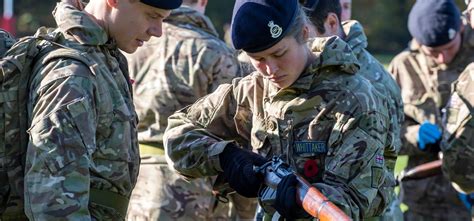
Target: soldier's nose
pixel 272 68
pixel 442 57
pixel 155 30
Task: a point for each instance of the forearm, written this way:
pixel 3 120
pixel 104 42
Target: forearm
pixel 192 151
pixel 196 135
pixel 409 137
pixel 458 158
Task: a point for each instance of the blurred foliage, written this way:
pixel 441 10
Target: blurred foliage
pixel 384 20
pixel 385 23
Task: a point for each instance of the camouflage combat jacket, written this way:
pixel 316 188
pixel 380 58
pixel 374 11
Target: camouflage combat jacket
pixel 371 69
pixel 380 79
pixel 425 88
pixel 330 125
pixel 173 71
pixel 83 144
pixel 458 139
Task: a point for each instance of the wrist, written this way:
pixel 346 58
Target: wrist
pixel 227 155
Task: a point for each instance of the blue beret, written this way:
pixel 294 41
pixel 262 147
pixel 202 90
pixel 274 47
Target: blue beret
pixel 163 4
pixel 434 22
pixel 259 24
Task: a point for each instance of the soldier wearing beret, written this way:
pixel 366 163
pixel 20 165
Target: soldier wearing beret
pixel 82 159
pixel 327 122
pixel 441 49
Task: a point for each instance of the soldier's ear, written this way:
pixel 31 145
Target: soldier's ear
pixel 306 33
pixel 112 3
pixel 202 3
pixel 331 25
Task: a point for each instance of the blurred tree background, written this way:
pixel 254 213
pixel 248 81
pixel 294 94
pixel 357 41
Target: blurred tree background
pixel 384 20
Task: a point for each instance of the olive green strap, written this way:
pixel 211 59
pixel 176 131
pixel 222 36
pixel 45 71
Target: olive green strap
pixel 110 199
pixel 151 149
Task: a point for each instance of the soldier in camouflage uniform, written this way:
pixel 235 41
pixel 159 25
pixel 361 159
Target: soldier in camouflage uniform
pixel 82 159
pixel 458 139
pixel 458 143
pixel 435 58
pixel 325 16
pixel 173 71
pixel 326 121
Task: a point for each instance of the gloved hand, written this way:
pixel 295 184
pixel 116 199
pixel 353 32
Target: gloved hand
pixel 285 202
pixel 237 164
pixel 467 200
pixel 428 134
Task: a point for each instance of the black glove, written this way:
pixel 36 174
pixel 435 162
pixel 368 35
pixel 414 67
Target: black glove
pixel 285 202
pixel 237 164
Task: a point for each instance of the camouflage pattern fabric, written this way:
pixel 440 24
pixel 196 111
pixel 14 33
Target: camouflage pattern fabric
pixel 425 88
pixel 191 62
pixel 6 41
pixel 458 139
pixel 330 125
pixel 171 72
pixel 161 194
pixel 83 127
pixel 383 82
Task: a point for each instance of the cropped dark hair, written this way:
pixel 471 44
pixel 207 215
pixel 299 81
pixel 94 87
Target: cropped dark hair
pixel 318 13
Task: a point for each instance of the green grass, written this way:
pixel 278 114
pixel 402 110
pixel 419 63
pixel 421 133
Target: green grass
pixel 399 166
pixel 384 59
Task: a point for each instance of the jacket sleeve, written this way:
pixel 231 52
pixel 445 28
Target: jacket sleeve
pixel 197 134
pixel 62 138
pixel 355 171
pixel 458 140
pixel 409 129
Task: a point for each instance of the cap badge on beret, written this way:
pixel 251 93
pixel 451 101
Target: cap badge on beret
pixel 451 33
pixel 275 30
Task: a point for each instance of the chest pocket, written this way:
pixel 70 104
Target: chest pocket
pixel 259 136
pixel 310 147
pixel 457 114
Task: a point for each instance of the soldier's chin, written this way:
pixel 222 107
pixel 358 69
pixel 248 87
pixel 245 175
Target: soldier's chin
pixel 128 49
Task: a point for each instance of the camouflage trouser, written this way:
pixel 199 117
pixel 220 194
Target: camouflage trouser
pixel 161 194
pixel 242 208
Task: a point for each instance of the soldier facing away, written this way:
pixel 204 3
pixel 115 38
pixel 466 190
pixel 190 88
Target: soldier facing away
pixel 82 159
pixel 441 49
pixel 314 111
pixel 171 72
